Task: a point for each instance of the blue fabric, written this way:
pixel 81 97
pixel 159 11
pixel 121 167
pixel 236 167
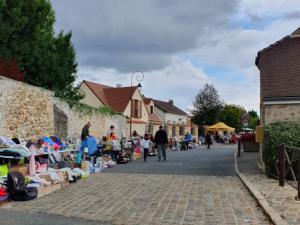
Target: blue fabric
pixel 91 144
pixel 48 140
pixel 59 142
pixel 188 137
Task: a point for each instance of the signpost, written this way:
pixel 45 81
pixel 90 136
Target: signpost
pixel 245 120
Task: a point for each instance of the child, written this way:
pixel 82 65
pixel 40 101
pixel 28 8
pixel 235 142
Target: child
pixel 146 144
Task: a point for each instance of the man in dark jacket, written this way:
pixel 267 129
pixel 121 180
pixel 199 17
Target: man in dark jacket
pixel 161 140
pixel 85 131
pixel 208 140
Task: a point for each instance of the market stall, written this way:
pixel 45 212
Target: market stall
pixel 33 168
pixel 220 128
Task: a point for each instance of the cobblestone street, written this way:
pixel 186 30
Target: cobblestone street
pixel 144 198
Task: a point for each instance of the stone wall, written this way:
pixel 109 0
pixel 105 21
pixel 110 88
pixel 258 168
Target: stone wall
pixel 275 113
pixel 27 111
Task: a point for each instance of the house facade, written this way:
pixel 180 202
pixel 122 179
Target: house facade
pixel 279 66
pixel 118 99
pixel 154 120
pixel 176 122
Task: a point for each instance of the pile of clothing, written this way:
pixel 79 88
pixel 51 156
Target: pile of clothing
pixel 13 147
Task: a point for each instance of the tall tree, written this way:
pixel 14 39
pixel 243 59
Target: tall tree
pixel 207 106
pixel 253 119
pixel 27 35
pixel 231 115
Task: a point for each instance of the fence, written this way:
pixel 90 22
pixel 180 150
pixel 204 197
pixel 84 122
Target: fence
pixel 287 160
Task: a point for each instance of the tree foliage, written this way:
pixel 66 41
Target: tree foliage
pixel 276 134
pixel 27 35
pixel 231 115
pixel 253 119
pixel 207 106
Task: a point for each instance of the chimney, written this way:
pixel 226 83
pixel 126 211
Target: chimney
pixel 118 85
pixel 171 102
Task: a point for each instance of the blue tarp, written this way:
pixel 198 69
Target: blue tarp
pixel 91 144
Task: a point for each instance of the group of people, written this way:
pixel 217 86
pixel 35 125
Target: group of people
pixel 159 141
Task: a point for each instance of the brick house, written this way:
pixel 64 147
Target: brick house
pixel 118 99
pixel 279 66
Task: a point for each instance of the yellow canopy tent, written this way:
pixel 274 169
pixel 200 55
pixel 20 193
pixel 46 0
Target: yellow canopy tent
pixel 220 127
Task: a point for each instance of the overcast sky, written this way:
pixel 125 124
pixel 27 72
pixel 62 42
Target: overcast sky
pixel 179 44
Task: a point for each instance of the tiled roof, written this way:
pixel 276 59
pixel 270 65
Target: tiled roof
pixel 147 100
pixel 296 33
pixel 168 107
pixel 116 98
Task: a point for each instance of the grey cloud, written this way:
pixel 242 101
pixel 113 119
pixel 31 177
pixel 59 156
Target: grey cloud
pixel 292 15
pixel 141 34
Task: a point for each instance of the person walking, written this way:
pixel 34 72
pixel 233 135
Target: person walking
pixel 208 140
pixel 136 144
pixel 146 142
pixel 161 140
pixel 85 131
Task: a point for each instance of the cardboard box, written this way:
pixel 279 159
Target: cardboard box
pixel 61 176
pixel 55 187
pixel 44 190
pixel 85 165
pixel 23 169
pixel 45 177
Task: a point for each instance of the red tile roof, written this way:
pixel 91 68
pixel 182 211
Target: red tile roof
pixel 116 98
pixel 147 100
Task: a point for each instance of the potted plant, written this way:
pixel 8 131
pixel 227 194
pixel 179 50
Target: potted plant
pixel 249 144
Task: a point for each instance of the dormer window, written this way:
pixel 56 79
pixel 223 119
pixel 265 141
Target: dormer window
pixel 151 109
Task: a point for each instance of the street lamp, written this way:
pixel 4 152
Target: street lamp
pixel 139 76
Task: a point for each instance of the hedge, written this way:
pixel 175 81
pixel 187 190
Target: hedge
pixel 277 133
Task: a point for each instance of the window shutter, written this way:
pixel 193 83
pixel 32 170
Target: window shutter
pixel 140 109
pixel 133 108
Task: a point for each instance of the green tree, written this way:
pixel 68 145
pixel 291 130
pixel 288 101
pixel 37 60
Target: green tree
pixel 253 119
pixel 207 106
pixel 27 35
pixel 231 115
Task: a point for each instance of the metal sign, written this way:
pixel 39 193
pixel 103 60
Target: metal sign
pixel 245 119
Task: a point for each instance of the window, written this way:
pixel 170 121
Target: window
pixel 136 108
pixel 181 130
pixel 151 109
pixel 173 131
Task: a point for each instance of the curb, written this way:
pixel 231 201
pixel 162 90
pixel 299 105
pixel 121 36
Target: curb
pixel 268 210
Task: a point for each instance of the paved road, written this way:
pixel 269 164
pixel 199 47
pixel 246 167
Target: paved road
pixel 215 162
pixel 193 187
